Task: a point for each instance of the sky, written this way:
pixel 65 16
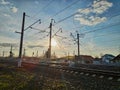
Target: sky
pixel 96 21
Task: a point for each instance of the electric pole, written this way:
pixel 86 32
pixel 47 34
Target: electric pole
pixel 50 38
pixel 78 44
pixel 22 34
pixel 21 41
pixel 11 48
pixel 11 53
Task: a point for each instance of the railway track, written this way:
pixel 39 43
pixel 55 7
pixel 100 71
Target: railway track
pixel 82 71
pixel 91 71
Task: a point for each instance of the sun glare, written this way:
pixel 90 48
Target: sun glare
pixel 54 43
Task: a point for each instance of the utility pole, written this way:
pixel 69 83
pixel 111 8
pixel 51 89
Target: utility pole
pixel 11 48
pixel 50 38
pixel 21 41
pixel 11 53
pixel 78 44
pixel 22 34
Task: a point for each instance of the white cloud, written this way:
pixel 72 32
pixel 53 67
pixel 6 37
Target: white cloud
pixel 85 11
pixel 9 5
pixel 100 7
pixel 91 20
pixel 14 9
pixel 90 16
pixel 4 2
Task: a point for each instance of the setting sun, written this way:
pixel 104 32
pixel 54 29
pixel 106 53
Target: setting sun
pixel 53 43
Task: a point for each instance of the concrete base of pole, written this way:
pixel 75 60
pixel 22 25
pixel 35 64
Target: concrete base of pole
pixel 19 62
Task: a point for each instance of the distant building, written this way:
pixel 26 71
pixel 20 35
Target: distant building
pixel 107 58
pixel 116 59
pixel 97 61
pixel 84 59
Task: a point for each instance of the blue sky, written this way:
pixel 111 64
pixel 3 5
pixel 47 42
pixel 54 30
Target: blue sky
pixel 97 21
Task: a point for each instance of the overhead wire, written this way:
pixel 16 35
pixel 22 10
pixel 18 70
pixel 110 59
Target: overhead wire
pixel 111 25
pixel 66 8
pixel 62 10
pixel 50 2
pixel 71 15
pixel 101 35
pixel 40 31
pixel 33 17
pixel 65 18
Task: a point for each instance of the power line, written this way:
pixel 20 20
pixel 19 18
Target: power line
pixel 66 8
pixel 33 24
pixel 40 31
pixel 111 25
pixel 65 18
pixel 44 30
pixel 114 16
pixel 44 36
pixel 103 35
pixel 60 45
pixel 75 14
pixel 50 2
pixel 62 10
pixel 72 15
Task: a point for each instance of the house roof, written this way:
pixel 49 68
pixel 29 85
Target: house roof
pixel 86 57
pixel 108 55
pixel 116 58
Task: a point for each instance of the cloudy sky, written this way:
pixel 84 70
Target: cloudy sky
pixel 97 22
